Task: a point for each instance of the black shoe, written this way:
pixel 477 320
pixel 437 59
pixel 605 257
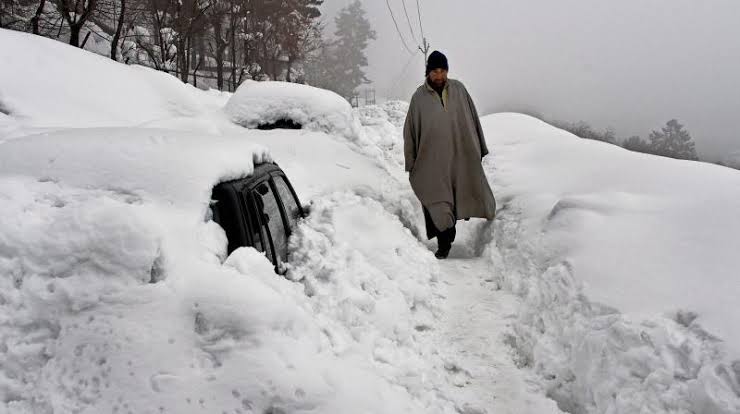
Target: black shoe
pixel 442 253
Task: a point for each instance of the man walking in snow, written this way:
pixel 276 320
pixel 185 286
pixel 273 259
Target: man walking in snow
pixel 444 147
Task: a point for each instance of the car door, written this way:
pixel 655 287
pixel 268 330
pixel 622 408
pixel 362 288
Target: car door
pixel 272 228
pixel 289 201
pixel 277 209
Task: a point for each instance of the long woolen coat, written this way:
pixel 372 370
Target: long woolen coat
pixel 443 147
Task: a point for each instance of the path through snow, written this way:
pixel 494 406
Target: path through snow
pixel 475 331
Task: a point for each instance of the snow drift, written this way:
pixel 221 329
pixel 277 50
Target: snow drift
pixel 627 267
pixel 117 295
pixel 47 84
pixel 256 104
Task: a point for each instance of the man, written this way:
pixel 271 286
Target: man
pixel 444 147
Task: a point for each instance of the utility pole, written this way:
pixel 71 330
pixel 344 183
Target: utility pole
pixel 425 49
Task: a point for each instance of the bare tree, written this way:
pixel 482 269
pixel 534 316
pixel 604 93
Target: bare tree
pixel 220 35
pixel 190 16
pixel 119 29
pixel 37 17
pixel 223 40
pixel 76 15
pixel 11 14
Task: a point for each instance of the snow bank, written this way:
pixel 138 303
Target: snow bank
pixel 380 124
pixel 373 286
pixel 144 164
pixel 624 263
pixel 47 84
pixel 263 103
pixel 85 329
pixel 627 265
pixel 116 294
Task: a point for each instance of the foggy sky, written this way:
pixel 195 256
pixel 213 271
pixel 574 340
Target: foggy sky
pixel 630 64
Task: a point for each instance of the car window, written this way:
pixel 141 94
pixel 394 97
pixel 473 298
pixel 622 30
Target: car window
pixel 257 225
pixel 292 209
pixel 272 220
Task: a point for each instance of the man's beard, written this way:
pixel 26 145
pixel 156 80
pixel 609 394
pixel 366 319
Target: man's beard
pixel 438 84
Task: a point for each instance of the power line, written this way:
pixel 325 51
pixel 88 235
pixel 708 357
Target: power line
pixel 418 12
pixel 397 29
pixel 424 48
pixel 408 20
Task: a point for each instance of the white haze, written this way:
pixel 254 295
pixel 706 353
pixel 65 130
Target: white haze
pixel 631 65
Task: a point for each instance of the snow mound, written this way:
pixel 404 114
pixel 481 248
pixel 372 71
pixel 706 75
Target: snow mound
pixel 139 164
pixel 628 279
pixel 116 293
pixel 374 286
pixel 109 306
pixel 57 85
pixel 381 137
pixel 257 104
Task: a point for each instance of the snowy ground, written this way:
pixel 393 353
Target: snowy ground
pixel 602 287
pixel 627 269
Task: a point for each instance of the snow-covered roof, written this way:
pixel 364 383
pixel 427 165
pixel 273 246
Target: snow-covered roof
pixel 169 166
pixel 260 103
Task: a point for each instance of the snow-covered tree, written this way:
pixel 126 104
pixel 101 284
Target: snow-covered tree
pixel 584 130
pixel 637 144
pixel 353 33
pixel 673 141
pixel 340 64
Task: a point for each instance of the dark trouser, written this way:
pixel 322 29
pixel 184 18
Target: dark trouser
pixel 444 237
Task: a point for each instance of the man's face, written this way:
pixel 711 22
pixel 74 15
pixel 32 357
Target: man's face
pixel 438 78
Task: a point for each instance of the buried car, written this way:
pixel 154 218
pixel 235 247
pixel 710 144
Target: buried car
pixel 120 292
pixel 172 175
pixel 260 211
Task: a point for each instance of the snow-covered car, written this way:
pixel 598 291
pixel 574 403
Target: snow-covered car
pixel 259 211
pixel 231 182
pixel 270 105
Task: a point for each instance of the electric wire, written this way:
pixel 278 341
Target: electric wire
pixel 418 12
pixel 400 35
pixel 408 20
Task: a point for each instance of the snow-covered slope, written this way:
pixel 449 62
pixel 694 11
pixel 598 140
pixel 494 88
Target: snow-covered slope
pixel 47 84
pixel 628 267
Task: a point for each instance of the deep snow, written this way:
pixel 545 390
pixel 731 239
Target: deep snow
pixel 606 282
pixel 262 103
pixel 626 266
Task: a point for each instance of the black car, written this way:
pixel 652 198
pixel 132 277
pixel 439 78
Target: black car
pixel 259 211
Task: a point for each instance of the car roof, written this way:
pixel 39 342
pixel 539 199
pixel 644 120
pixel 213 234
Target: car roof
pixel 173 167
